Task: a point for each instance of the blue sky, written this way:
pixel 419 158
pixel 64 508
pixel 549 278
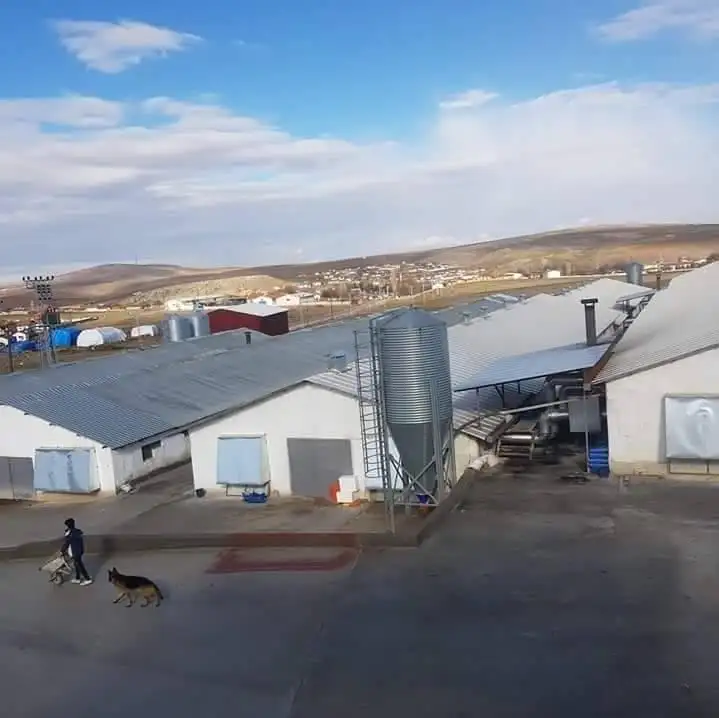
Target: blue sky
pixel 208 133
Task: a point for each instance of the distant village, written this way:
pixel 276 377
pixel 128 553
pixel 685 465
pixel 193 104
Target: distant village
pixel 357 285
pixel 370 283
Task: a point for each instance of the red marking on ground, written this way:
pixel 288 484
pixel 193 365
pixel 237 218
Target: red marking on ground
pixel 236 561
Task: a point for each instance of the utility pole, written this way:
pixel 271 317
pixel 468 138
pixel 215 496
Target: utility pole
pixel 42 286
pixel 7 329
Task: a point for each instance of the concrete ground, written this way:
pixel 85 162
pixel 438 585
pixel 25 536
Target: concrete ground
pixel 166 507
pixel 539 597
pixel 22 523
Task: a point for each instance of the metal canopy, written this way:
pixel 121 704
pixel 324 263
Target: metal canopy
pixel 641 293
pixel 547 362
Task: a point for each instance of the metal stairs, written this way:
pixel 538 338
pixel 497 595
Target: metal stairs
pixel 374 438
pixel 519 441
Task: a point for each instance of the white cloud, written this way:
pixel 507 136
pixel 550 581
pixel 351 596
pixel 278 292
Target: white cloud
pixel 83 179
pixel 467 100
pixel 699 18
pixel 112 47
pixel 70 111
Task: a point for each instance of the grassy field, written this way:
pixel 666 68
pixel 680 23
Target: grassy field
pixel 435 299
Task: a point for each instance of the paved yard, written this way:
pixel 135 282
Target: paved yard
pixel 537 599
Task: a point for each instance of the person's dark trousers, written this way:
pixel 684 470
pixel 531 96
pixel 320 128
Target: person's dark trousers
pixel 81 573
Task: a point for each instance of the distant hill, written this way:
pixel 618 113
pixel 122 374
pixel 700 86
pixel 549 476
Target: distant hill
pixel 584 249
pixel 119 282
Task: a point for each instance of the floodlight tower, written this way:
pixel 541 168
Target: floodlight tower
pixel 42 286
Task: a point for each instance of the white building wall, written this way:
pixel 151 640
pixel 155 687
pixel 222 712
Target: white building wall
pixel 129 463
pixel 22 434
pixel 635 412
pixel 179 305
pixel 306 412
pixel 466 450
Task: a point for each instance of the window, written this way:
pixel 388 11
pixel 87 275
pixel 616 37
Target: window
pixel 149 450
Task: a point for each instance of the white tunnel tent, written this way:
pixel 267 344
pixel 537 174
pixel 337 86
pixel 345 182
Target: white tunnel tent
pixel 100 336
pixel 144 330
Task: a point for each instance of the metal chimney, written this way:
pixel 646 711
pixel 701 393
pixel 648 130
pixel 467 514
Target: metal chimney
pixel 635 273
pixel 590 321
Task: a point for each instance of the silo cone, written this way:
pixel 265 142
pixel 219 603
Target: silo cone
pixel 415 444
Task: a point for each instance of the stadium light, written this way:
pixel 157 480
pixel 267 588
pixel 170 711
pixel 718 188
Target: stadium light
pixel 42 286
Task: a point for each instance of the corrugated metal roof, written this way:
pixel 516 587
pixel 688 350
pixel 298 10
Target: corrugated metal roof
pixel 678 322
pixel 543 363
pixel 539 322
pixel 133 396
pixel 256 309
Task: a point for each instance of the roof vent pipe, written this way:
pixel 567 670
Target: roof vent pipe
pixel 248 337
pixel 466 318
pixel 590 320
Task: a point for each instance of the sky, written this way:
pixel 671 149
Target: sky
pixel 249 133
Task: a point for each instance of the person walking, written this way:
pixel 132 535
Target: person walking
pixel 74 547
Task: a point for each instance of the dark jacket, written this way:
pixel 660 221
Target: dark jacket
pixel 73 540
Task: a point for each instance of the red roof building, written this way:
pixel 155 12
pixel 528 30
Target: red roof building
pixel 265 318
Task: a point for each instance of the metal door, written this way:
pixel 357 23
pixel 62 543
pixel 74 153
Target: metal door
pixel 65 471
pixel 315 464
pixel 16 478
pixel 241 461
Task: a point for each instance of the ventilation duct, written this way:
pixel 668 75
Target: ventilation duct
pixel 590 321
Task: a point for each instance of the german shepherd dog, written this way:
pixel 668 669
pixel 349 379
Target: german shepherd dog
pixel 130 587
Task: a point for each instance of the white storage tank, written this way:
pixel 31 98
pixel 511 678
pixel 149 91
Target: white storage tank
pixel 144 330
pixel 200 324
pixel 100 336
pixel 177 328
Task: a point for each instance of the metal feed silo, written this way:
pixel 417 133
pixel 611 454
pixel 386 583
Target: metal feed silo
pixel 200 324
pixel 413 355
pixel 178 328
pixel 635 273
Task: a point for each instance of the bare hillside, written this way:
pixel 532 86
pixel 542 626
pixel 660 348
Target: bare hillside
pixel 586 249
pixel 589 249
pixel 142 282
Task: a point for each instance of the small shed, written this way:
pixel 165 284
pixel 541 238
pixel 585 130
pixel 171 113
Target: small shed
pixel 265 318
pixel 144 330
pixel 100 336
